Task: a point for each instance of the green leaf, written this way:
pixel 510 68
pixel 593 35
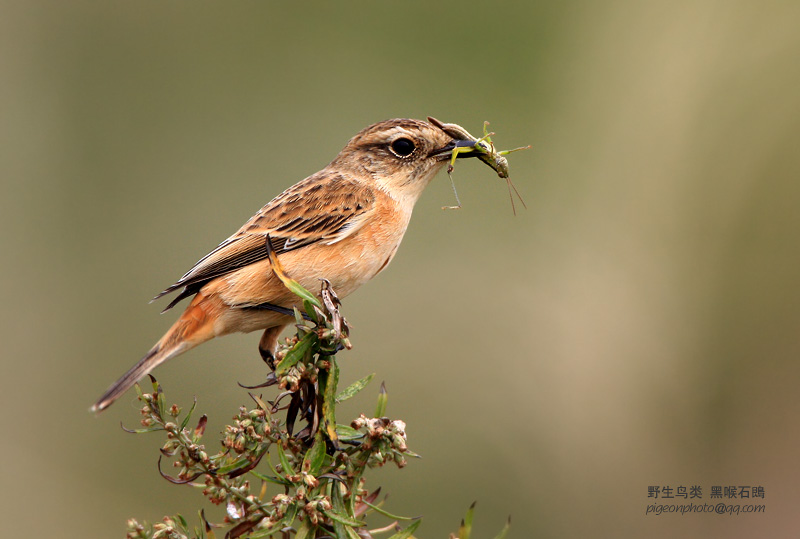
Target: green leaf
pixel 300 351
pixel 312 463
pixel 182 520
pixel 295 287
pixel 312 314
pixel 142 431
pixel 504 531
pixel 161 403
pixel 383 398
pixel 466 525
pixel 298 290
pixel 298 317
pixel 337 502
pixel 348 433
pixel 285 522
pixel 386 513
pixel 304 530
pixel 269 532
pixel 261 404
pixel 278 476
pixel 337 498
pixel 291 514
pixel 188 415
pixel 358 473
pixel 287 468
pixel 354 388
pixel 206 527
pixel 404 534
pixel 277 479
pixel 333 515
pixel 328 382
pixel 339 529
pixel 156 386
pixel 236 464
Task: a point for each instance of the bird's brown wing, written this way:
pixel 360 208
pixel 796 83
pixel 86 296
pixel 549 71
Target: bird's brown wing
pixel 323 207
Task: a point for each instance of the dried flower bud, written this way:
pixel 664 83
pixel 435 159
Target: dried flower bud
pixel 310 480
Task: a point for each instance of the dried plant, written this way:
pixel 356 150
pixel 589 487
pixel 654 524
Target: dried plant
pixel 318 471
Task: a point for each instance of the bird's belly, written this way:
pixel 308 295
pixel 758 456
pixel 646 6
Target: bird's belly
pixel 347 265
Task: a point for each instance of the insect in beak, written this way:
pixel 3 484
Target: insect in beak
pixel 466 145
pixel 457 149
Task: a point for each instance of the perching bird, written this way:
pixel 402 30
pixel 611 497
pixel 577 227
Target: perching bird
pixel 343 223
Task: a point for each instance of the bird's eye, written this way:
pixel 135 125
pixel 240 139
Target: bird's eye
pixel 403 147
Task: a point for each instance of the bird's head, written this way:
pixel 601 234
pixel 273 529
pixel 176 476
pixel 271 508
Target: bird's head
pixel 401 156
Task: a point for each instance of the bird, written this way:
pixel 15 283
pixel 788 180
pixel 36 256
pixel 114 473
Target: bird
pixel 343 223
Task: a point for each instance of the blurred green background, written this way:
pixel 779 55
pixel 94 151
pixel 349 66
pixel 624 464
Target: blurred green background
pixel 636 326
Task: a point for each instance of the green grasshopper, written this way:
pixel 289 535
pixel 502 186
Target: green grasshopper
pixel 488 154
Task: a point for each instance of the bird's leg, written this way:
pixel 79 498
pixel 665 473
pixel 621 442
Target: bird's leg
pixel 269 344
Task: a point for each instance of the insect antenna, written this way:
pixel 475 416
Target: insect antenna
pixel 511 196
pixel 511 184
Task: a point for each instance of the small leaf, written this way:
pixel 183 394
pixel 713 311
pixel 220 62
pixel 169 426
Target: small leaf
pixel 261 404
pixel 206 525
pixel 361 508
pixel 312 310
pixel 337 502
pixel 241 529
pixel 351 390
pixel 200 429
pixel 404 534
pixel 346 433
pixel 339 530
pixel 330 380
pixel 141 431
pixel 466 525
pixel 387 513
pixel 312 463
pixel 295 287
pixel 287 468
pixel 504 531
pixel 253 461
pixel 188 415
pixel 383 398
pixel 333 515
pixel 304 530
pixel 337 498
pixel 291 514
pixel 298 316
pixel 160 401
pixel 300 351
pixel 277 479
pixel 232 466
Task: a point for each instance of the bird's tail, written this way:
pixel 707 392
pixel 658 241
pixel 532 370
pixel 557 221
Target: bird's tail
pixel 195 326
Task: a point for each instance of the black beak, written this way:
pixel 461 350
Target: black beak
pixel 448 149
pixel 460 140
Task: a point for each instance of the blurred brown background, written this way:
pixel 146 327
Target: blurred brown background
pixel 636 326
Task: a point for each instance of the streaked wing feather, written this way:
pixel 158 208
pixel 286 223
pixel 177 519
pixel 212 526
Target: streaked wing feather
pixel 323 207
